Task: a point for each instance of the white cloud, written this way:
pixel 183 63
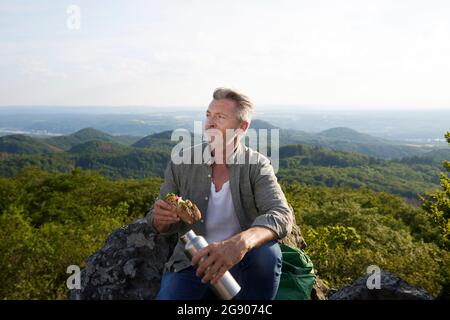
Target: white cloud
pixel 37 70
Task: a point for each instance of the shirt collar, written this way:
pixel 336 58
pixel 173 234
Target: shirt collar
pixel 209 159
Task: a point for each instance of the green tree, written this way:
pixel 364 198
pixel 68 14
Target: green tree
pixel 437 205
pixel 49 221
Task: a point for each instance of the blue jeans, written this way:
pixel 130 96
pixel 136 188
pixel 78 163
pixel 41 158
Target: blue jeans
pixel 258 274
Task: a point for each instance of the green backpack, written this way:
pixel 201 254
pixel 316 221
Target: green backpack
pixel 297 275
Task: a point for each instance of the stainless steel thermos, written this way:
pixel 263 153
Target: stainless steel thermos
pixel 227 287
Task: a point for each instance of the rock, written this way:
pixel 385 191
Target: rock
pixel 319 291
pixel 295 238
pixel 130 264
pixel 391 288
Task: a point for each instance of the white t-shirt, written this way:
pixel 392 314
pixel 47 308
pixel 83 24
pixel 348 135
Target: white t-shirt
pixel 221 220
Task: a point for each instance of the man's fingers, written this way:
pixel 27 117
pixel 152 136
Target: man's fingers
pixel 166 216
pixel 163 212
pixel 163 205
pixel 219 274
pixel 204 265
pixel 199 255
pixel 211 271
pixel 168 220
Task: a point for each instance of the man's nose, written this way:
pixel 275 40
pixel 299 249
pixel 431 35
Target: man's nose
pixel 210 123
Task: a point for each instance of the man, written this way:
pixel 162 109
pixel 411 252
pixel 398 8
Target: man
pixel 244 211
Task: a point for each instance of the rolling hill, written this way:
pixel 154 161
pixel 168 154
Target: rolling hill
pixel 21 144
pixel 98 147
pixel 312 166
pixel 350 135
pixel 161 139
pixel 317 166
pixel 345 139
pixel 309 164
pixel 88 134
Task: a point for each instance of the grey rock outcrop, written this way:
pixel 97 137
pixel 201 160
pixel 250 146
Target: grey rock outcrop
pixel 391 288
pixel 128 267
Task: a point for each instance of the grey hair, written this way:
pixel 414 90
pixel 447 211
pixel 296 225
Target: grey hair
pixel 243 103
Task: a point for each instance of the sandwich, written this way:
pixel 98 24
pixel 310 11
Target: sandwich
pixel 186 210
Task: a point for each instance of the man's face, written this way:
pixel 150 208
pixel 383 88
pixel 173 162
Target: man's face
pixel 221 115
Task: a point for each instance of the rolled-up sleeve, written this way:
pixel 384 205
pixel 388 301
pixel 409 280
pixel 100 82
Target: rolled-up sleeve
pixel 169 185
pixel 276 214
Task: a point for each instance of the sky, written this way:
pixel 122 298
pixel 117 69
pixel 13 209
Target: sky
pixel 351 53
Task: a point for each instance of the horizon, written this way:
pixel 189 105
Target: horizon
pixel 283 107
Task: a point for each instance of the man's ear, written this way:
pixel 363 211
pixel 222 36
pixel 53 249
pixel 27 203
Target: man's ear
pixel 244 125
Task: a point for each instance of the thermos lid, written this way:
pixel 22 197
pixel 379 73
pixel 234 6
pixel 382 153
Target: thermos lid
pixel 188 236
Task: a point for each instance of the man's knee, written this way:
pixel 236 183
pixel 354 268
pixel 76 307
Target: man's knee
pixel 260 272
pixel 267 255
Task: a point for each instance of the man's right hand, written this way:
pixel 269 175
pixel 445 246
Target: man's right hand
pixel 164 216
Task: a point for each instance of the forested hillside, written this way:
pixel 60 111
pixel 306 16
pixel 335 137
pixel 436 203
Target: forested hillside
pixel 49 221
pixel 60 200
pixel 116 157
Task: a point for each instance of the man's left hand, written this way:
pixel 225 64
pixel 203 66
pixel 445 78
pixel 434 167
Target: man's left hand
pixel 219 257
